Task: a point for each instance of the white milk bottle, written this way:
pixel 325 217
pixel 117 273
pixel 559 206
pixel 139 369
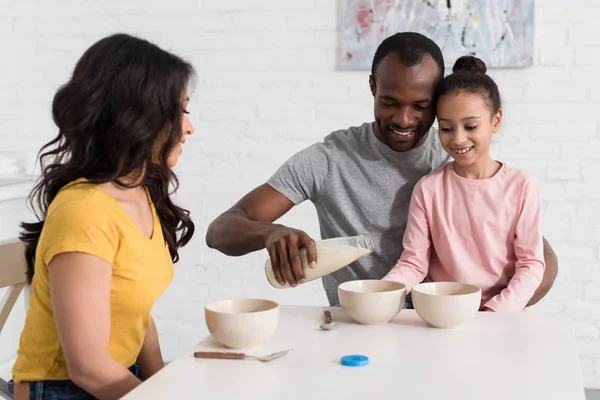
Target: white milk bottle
pixel 332 254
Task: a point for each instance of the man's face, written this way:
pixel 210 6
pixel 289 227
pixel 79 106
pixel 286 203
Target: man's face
pixel 404 109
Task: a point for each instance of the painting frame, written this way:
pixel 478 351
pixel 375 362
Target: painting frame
pixel 500 32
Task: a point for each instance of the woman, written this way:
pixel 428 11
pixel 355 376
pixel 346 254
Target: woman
pixel 108 234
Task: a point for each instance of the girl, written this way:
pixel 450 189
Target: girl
pixel 108 232
pixel 475 220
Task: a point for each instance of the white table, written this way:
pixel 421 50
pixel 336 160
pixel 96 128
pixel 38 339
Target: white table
pixel 524 356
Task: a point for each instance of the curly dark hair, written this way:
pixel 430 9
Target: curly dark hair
pixel 124 97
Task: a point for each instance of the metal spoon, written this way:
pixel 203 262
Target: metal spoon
pixel 239 356
pixel 329 324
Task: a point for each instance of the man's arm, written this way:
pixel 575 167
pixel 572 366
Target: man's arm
pixel 245 227
pixel 248 226
pixel 550 273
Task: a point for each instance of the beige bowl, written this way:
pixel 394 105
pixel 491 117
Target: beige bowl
pixel 242 323
pixel 372 302
pixel 446 304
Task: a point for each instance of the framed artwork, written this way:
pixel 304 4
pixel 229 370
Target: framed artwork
pixel 500 32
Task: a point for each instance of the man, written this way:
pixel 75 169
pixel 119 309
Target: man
pixel 359 179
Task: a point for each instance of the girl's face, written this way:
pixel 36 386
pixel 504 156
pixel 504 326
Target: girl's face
pixel 466 127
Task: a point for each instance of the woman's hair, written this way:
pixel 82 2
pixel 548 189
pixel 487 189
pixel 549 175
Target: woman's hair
pixel 469 75
pixel 123 98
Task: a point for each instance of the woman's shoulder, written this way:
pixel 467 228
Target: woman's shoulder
pixel 79 219
pixel 78 200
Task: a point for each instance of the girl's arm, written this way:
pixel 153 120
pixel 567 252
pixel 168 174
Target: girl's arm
pixel 529 251
pixel 150 359
pixel 80 288
pixel 413 265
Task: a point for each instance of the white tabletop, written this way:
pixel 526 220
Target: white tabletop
pixel 525 356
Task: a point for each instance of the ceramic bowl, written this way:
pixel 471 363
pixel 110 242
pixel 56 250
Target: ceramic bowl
pixel 446 304
pixel 242 323
pixel 372 302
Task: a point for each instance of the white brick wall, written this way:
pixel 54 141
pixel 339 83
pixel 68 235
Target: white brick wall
pixel 268 87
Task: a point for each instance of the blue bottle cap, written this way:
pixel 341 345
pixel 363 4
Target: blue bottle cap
pixel 355 360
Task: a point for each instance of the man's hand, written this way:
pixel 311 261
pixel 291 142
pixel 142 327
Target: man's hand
pixel 284 245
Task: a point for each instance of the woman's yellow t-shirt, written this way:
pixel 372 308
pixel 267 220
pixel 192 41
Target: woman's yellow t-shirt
pixel 84 218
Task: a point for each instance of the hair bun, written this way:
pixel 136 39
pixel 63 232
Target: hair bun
pixel 470 64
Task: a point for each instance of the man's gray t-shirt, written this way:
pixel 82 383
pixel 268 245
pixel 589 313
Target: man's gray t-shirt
pixel 359 185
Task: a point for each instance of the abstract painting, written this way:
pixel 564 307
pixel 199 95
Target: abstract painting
pixel 500 32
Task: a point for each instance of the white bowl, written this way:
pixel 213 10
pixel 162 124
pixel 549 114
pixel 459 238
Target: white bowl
pixel 372 302
pixel 242 323
pixel 446 304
